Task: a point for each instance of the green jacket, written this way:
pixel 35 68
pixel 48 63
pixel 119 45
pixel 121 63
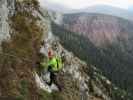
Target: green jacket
pixel 55 63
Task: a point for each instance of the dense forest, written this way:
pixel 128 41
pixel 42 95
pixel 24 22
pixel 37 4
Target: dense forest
pixel 114 64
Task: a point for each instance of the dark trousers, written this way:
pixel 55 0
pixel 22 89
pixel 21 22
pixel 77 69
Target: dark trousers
pixel 53 78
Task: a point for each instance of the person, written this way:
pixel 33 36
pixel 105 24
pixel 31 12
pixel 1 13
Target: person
pixel 54 65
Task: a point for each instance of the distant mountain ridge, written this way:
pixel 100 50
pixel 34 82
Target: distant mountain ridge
pixel 100 9
pixel 109 10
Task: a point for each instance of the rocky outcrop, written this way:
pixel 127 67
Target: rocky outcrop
pixel 7 9
pixel 80 80
pixel 104 59
pixel 23 27
pixel 103 40
pixel 19 21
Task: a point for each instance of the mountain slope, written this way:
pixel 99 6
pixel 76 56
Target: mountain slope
pixel 108 42
pixel 27 27
pixel 100 29
pixel 81 80
pixel 85 50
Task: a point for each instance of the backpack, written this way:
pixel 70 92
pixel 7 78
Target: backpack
pixel 59 63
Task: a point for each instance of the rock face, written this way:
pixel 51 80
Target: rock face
pixel 100 29
pixel 27 25
pixel 80 80
pixel 19 20
pixel 6 9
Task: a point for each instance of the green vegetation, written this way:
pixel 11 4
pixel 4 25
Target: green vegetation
pixel 24 89
pixel 20 53
pixel 50 96
pixel 110 61
pixel 115 60
pixel 25 35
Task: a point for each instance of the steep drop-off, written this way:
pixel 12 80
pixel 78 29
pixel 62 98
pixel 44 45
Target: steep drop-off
pixel 85 50
pixel 108 42
pixel 24 25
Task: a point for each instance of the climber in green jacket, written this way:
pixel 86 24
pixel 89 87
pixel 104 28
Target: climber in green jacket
pixel 54 65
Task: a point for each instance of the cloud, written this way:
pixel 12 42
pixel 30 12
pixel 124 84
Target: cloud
pixel 77 4
pixel 130 1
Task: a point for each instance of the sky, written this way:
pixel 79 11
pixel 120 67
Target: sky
pixel 79 4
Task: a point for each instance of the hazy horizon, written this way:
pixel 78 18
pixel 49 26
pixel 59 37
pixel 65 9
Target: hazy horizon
pixel 81 4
